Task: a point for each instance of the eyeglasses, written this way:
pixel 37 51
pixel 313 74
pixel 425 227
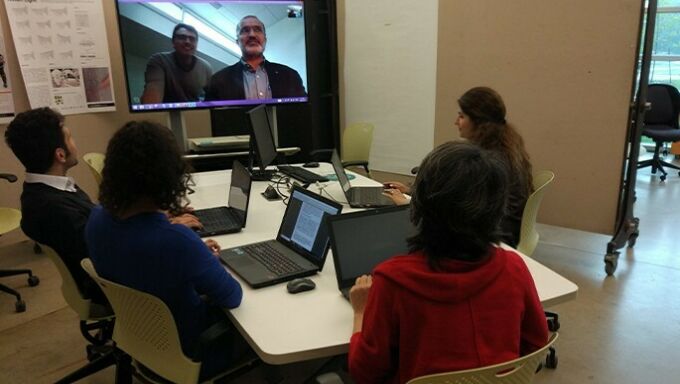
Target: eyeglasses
pixel 185 37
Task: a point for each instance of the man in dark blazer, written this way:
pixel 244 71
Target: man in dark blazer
pixel 253 77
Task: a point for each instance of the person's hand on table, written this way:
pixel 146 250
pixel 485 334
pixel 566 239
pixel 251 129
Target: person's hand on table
pixel 213 246
pixel 396 196
pixel 358 296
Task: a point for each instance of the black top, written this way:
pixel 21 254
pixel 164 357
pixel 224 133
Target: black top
pixel 227 84
pixel 57 219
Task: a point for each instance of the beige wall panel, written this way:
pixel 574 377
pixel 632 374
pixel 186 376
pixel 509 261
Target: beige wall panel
pixel 91 131
pixel 565 71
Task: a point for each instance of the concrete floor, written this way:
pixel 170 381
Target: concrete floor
pixel 620 329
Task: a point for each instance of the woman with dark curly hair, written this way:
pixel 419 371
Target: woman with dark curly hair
pixel 481 120
pixel 132 242
pixel 458 300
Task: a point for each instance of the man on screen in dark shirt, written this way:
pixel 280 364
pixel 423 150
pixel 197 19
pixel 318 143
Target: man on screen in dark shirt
pixel 253 77
pixel 179 75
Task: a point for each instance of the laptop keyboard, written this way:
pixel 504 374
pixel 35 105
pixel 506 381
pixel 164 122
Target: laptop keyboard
pixel 274 261
pixel 215 219
pixel 368 194
pixel 301 174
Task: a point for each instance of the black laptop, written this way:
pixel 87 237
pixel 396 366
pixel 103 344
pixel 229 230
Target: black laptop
pixel 359 197
pixel 300 247
pixel 231 218
pixel 362 240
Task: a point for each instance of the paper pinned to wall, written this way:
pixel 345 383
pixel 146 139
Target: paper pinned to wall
pixel 63 54
pixel 390 77
pixel 6 94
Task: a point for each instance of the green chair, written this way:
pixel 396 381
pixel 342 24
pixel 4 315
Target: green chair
pixel 145 329
pixel 10 219
pixel 518 371
pixel 356 145
pixel 95 162
pixel 528 236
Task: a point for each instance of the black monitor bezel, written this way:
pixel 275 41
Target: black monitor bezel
pixel 257 141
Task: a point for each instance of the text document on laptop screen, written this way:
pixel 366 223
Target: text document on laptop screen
pixel 303 223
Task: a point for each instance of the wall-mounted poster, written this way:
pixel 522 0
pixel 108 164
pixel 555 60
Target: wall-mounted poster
pixel 63 54
pixel 6 98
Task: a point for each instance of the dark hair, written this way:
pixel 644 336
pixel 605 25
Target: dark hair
pixel 188 27
pixel 491 131
pixel 34 135
pixel 143 161
pixel 459 197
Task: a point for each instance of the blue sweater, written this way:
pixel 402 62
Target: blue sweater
pixel 166 260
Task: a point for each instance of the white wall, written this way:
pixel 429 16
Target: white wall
pixel 390 68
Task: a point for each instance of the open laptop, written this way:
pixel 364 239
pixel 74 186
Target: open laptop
pixel 358 197
pixel 300 247
pixel 231 218
pixel 362 240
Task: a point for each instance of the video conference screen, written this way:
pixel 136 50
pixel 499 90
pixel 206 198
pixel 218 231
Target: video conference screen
pixel 202 54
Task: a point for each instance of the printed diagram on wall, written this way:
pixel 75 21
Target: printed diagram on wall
pixel 6 94
pixel 63 54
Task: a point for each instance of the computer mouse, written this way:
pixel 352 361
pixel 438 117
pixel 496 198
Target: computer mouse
pixel 300 285
pixel 271 194
pixel 311 164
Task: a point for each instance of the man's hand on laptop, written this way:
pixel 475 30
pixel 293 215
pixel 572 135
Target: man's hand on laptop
pixel 213 246
pixel 401 187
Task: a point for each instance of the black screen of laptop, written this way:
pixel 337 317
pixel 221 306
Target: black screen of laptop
pixel 239 191
pixel 265 150
pixel 303 227
pixel 362 240
pixel 340 171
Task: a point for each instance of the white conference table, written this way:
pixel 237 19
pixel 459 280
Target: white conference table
pixel 284 328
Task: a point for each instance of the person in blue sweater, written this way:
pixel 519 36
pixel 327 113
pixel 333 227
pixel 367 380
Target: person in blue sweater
pixel 131 241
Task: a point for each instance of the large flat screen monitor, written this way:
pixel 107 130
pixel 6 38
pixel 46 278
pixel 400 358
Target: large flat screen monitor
pixel 189 54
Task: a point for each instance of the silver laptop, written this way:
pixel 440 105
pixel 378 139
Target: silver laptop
pixel 359 197
pixel 231 218
pixel 300 247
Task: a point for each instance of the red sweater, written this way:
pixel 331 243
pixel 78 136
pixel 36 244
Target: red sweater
pixel 470 314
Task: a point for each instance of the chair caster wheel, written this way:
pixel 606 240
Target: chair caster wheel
pixel 553 325
pixel 662 177
pixel 551 360
pixel 633 239
pixel 611 261
pixel 20 306
pixel 33 281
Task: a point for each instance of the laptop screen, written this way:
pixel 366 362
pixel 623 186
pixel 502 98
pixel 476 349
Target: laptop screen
pixel 362 240
pixel 304 226
pixel 340 171
pixel 239 191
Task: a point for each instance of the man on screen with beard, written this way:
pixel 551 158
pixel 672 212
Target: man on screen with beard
pixel 253 77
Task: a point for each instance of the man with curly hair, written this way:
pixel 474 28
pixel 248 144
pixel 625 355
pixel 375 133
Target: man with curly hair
pixel 131 241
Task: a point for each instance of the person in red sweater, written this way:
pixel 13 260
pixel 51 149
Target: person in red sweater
pixel 458 300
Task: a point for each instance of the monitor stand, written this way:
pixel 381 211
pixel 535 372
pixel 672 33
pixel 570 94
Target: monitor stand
pixel 177 126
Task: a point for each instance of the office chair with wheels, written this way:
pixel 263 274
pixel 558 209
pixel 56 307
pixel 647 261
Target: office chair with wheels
pixel 519 371
pixel 528 236
pixel 661 124
pixel 10 219
pixel 356 146
pixel 95 162
pixel 96 323
pixel 146 330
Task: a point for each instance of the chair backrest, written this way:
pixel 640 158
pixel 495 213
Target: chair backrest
pixel 528 236
pixel 95 161
pixel 518 371
pixel 356 142
pixel 10 219
pixel 69 289
pixel 146 330
pixel 665 105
